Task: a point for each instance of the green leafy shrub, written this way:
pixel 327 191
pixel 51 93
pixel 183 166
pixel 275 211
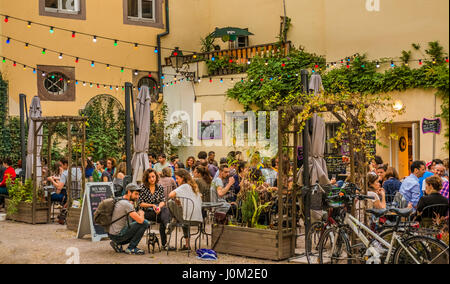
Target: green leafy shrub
pixel 18 192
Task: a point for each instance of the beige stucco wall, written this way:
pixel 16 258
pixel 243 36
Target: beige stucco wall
pixel 333 28
pixel 103 20
pixel 418 104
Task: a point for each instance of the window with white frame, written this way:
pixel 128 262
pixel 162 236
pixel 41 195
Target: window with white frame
pixel 141 10
pixel 62 6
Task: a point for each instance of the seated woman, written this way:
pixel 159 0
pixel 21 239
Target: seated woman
pixel 118 177
pixel 153 202
pixel 89 170
pixel 392 184
pixel 188 189
pixel 376 191
pixel 439 203
pixel 203 180
pixel 167 182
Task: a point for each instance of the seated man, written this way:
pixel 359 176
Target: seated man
pixel 60 194
pixel 128 226
pixel 433 186
pixel 219 191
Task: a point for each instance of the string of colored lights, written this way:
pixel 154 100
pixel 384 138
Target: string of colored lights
pixel 176 52
pixel 44 73
pixel 60 54
pixel 95 38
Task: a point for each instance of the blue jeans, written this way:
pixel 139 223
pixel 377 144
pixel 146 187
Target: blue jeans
pixel 131 235
pixel 3 190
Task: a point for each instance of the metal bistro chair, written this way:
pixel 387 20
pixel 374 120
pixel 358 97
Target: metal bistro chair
pixel 187 209
pixel 430 212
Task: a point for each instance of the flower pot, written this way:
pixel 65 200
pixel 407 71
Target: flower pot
pixel 24 212
pixel 250 242
pixel 73 219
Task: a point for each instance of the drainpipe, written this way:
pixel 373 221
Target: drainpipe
pixel 158 38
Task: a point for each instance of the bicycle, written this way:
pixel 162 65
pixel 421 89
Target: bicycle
pixel 334 244
pixel 316 229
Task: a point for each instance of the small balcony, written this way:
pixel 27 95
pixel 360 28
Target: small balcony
pixel 233 61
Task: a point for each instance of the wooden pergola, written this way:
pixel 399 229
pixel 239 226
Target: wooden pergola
pixel 51 122
pixel 290 138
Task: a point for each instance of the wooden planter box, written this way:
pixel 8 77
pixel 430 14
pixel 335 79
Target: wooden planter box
pixel 73 219
pixel 251 242
pixel 24 213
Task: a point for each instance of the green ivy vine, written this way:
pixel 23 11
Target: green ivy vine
pixel 280 80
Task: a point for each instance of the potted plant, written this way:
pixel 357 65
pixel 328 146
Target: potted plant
pixel 248 237
pixel 19 204
pixel 73 215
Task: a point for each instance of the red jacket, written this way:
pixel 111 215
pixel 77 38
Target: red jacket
pixel 9 172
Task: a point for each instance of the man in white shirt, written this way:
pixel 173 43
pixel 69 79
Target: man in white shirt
pixel 163 163
pixel 218 190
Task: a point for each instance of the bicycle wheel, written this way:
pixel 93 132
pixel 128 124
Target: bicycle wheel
pixel 334 247
pixel 425 250
pixel 312 242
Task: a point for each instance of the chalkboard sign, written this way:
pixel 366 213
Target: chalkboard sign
pixel 431 126
pixel 335 165
pixel 95 193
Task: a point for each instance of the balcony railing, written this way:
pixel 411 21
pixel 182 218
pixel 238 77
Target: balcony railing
pixel 239 56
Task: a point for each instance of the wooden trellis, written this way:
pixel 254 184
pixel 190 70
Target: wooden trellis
pixel 51 122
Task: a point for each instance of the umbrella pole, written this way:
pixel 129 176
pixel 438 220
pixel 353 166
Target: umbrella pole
pixel 306 150
pixel 33 209
pixel 22 135
pixel 69 159
pixel 128 89
pixel 83 158
pixel 49 166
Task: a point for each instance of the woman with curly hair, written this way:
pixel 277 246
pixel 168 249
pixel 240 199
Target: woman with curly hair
pixel 153 202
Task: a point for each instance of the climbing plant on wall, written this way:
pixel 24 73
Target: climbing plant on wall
pixel 273 81
pixel 274 76
pixel 105 131
pixel 9 127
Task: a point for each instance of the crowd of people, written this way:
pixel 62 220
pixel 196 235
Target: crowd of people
pixel 425 188
pixel 204 179
pixel 199 180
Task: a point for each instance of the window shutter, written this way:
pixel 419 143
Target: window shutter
pixel 77 6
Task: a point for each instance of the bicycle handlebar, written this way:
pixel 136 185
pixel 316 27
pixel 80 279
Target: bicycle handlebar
pixel 358 196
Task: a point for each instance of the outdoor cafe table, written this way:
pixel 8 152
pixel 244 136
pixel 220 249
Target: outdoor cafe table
pixel 208 206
